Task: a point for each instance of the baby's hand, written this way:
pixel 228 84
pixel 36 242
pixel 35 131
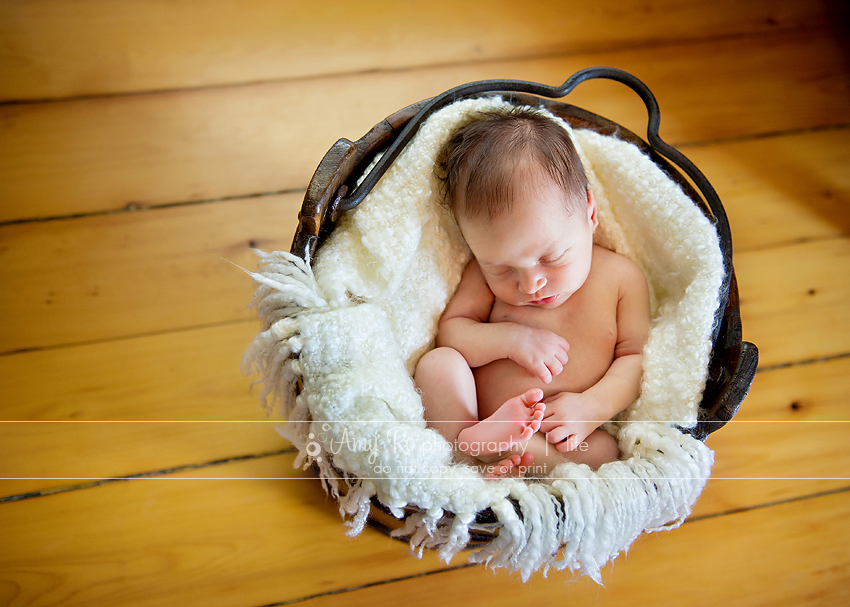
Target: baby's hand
pixel 540 351
pixel 569 419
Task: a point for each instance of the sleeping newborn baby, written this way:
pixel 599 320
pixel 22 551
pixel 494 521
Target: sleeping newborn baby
pixel 542 342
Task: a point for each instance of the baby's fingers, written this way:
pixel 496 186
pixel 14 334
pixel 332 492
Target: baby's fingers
pixel 561 355
pixel 542 371
pixel 555 367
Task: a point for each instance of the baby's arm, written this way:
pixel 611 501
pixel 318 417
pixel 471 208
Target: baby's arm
pixel 465 327
pixel 620 385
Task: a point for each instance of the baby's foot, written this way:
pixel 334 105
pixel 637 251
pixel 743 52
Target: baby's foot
pixel 514 422
pixel 514 465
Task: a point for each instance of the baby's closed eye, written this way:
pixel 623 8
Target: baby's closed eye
pixel 499 270
pixel 553 260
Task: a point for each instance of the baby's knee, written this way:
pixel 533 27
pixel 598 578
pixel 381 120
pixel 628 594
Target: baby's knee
pixel 602 448
pixel 440 363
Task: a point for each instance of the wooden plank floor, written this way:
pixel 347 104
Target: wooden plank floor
pixel 145 145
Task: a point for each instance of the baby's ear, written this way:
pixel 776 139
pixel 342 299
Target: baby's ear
pixel 591 209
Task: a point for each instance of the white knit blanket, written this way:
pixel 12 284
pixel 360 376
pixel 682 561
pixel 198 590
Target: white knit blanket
pixel 341 339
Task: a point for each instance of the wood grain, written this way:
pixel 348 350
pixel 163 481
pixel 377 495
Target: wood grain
pixel 151 546
pixel 35 456
pixel 779 190
pixel 790 555
pixel 794 300
pixel 786 441
pixel 129 406
pixel 180 375
pixel 110 276
pixel 92 155
pixel 174 540
pixel 149 45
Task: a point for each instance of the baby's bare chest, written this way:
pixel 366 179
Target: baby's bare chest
pixel 588 323
pixel 587 320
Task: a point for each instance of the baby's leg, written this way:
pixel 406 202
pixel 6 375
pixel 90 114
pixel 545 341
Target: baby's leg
pixel 598 448
pixel 451 407
pixel 448 392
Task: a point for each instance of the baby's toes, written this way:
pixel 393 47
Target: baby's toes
pixel 568 445
pixel 502 468
pixel 556 435
pixel 564 446
pixel 532 397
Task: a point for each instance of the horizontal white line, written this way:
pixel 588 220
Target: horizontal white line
pixel 424 478
pixel 373 421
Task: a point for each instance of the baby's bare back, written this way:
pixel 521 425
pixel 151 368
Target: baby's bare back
pixel 587 320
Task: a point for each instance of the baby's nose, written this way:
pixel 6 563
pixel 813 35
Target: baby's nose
pixel 531 283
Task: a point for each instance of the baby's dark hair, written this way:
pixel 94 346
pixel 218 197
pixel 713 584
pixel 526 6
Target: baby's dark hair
pixel 483 163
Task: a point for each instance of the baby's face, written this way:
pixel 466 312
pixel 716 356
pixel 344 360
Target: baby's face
pixel 536 254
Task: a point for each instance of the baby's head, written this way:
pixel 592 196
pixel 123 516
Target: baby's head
pixel 519 193
pixel 491 162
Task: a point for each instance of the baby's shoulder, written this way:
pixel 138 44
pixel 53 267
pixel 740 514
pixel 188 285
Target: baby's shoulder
pixel 618 269
pixel 473 298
